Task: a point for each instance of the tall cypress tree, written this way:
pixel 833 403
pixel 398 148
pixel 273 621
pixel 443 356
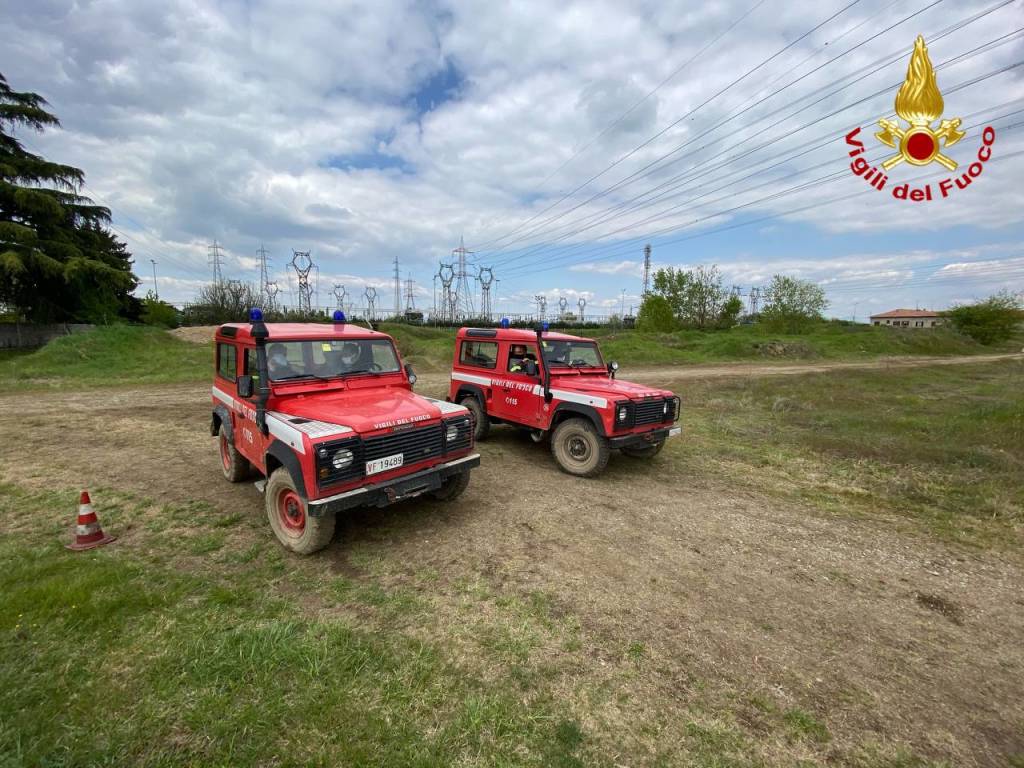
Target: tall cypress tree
pixel 57 259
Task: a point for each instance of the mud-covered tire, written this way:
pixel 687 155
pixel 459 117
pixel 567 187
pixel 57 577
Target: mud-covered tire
pixel 482 425
pixel 288 514
pixel 643 452
pixel 233 464
pixel 578 448
pixel 452 487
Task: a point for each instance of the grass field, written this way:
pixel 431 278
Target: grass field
pixel 125 355
pixel 824 571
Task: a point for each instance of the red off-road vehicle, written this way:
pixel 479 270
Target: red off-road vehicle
pixel 326 413
pixel 559 386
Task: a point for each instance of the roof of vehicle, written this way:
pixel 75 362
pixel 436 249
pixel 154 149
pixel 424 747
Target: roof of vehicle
pixel 514 334
pixel 284 331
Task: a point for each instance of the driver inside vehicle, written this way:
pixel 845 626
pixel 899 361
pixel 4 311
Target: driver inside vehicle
pixel 277 362
pixel 518 354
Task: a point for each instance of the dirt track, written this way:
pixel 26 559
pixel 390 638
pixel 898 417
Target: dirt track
pixel 735 595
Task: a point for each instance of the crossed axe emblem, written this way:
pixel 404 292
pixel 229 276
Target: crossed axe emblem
pixel 893 136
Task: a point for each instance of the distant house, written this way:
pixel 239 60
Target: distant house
pixel 909 318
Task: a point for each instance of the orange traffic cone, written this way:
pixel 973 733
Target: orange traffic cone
pixel 88 533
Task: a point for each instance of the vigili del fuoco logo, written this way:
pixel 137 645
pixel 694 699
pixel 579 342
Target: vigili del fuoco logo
pixel 919 103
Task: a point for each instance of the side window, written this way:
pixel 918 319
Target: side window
pixel 227 361
pixel 250 367
pixel 482 354
pixel 518 354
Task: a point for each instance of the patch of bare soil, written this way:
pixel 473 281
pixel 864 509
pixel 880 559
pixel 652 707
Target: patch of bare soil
pixel 885 637
pixel 198 334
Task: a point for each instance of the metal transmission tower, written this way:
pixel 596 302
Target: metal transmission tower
pixel 371 303
pixel 562 304
pixel 339 294
pixel 272 290
pixel 410 295
pixel 647 270
pixel 214 261
pixel 264 274
pixel 542 306
pixel 303 265
pixel 463 295
pixel 486 278
pixel 582 303
pixel 446 274
pixel 755 297
pixel 398 290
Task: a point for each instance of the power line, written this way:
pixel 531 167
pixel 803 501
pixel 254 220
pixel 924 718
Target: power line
pixel 885 61
pixel 688 114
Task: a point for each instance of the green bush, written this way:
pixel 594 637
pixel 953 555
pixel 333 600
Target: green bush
pixel 989 321
pixel 158 313
pixel 656 316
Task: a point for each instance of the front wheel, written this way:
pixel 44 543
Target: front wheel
pixel 452 487
pixel 645 451
pixel 482 425
pixel 289 516
pixel 234 465
pixel 578 448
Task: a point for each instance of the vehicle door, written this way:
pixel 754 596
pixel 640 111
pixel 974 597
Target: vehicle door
pixel 250 442
pixel 518 396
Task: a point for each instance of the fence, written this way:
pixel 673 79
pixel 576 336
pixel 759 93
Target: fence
pixel 23 335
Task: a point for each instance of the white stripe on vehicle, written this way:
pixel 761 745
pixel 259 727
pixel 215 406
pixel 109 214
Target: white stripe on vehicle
pixel 445 407
pixel 575 397
pixel 483 380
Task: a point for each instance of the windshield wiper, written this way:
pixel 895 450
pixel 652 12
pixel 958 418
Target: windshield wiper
pixel 302 376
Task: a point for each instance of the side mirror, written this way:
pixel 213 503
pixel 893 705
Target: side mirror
pixel 410 375
pixel 244 385
pixel 531 367
pixel 612 368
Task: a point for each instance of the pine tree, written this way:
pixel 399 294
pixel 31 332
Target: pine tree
pixel 57 260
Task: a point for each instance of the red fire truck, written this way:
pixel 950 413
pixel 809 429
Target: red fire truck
pixel 326 413
pixel 558 386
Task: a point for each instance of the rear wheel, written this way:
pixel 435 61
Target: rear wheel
pixel 234 465
pixel 480 420
pixel 289 516
pixel 578 448
pixel 452 487
pixel 644 451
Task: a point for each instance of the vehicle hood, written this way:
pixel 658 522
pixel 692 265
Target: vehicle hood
pixel 610 389
pixel 366 410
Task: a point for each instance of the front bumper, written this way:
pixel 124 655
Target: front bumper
pixel 640 439
pixel 389 492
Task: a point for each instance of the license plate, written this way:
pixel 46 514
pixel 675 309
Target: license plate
pixel 383 465
pixel 675 432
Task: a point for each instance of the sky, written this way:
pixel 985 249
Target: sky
pixel 556 140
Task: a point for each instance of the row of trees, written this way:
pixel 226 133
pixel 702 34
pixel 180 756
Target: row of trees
pixel 698 299
pixel 58 260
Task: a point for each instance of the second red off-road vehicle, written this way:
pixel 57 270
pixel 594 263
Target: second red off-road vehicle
pixel 558 386
pixel 326 413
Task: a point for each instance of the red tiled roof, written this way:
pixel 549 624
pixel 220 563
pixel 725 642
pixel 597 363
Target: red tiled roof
pixel 908 313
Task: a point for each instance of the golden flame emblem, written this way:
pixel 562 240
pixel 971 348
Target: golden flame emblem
pixel 919 102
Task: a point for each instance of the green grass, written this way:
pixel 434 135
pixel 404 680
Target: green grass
pixel 131 355
pixel 116 355
pixel 942 446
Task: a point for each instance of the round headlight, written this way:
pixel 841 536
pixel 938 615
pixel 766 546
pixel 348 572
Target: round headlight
pixel 452 434
pixel 623 413
pixel 665 408
pixel 342 458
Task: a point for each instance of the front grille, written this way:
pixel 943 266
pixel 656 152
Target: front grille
pixel 649 412
pixel 415 444
pixel 465 437
pixel 326 473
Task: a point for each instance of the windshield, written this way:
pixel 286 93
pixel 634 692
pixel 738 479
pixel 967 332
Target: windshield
pixel 325 359
pixel 571 354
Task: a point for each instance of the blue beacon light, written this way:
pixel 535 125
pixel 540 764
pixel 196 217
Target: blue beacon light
pixel 255 315
pixel 339 316
pixel 505 322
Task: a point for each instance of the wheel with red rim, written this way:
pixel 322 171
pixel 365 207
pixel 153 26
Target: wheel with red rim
pixel 289 516
pixel 234 465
